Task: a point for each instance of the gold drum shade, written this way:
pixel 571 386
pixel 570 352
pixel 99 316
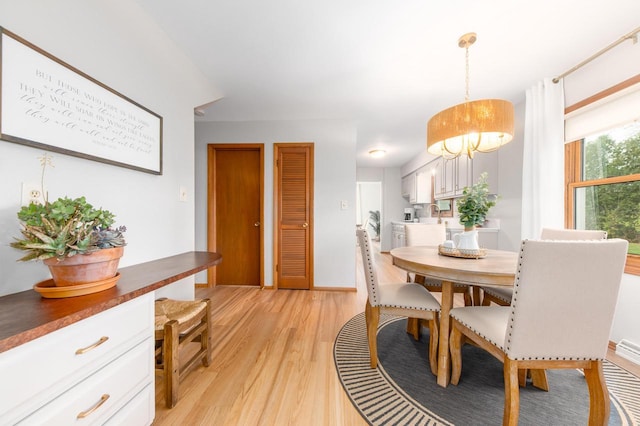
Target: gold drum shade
pixel 483 125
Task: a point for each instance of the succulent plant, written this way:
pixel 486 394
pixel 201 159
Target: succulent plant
pixel 64 228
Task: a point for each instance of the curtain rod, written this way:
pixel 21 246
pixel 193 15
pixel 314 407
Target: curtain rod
pixel 633 35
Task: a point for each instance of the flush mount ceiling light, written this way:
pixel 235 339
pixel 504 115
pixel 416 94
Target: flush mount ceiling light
pixel 483 125
pixel 377 153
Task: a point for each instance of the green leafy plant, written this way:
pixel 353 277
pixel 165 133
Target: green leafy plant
pixel 374 222
pixel 475 203
pixel 64 228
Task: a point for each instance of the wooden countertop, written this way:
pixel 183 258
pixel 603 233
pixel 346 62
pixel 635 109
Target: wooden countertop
pixel 25 316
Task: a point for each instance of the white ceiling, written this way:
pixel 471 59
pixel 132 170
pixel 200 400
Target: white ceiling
pixel 387 65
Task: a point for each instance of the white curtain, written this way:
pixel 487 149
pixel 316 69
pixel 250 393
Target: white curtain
pixel 543 159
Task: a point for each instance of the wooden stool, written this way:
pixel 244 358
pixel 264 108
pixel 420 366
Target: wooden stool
pixel 178 323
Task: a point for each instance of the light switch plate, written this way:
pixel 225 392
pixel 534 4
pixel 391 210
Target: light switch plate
pixel 183 194
pixel 344 205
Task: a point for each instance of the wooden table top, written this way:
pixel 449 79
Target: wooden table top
pixel 497 268
pixel 25 316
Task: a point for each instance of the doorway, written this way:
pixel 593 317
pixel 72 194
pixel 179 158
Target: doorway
pixel 369 209
pixel 293 202
pixel 235 213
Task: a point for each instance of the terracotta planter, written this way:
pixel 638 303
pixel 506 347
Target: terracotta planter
pixel 85 268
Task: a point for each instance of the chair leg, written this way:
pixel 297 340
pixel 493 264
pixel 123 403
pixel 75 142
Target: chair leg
pixel 433 344
pixel 413 328
pixel 539 378
pixel 477 297
pixel 522 377
pixel 468 300
pixel 511 393
pixel 171 363
pixel 455 348
pixel 372 318
pixel 486 301
pixel 599 403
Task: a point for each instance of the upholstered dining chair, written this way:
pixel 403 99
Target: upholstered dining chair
pixel 538 332
pixel 502 295
pixel 403 299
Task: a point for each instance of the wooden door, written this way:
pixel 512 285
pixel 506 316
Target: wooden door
pixel 293 200
pixel 235 213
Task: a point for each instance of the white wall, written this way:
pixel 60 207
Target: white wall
pixel 509 207
pixel 335 180
pixel 117 44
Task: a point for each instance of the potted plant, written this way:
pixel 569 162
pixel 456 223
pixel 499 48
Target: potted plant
pixel 475 203
pixel 74 239
pixel 374 217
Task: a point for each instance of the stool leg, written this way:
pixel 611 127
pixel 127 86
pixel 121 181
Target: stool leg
pixel 206 336
pixel 171 363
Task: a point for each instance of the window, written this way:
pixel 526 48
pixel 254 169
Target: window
pixel 602 171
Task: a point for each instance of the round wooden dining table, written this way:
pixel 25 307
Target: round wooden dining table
pixel 497 268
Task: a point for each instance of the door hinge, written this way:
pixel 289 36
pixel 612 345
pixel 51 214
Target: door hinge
pixel 276 267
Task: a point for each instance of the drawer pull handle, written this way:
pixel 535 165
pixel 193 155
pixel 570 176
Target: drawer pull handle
pixel 95 345
pixel 86 413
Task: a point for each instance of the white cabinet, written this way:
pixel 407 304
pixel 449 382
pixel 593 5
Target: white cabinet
pixel 397 236
pixel 409 187
pixel 104 361
pixel 463 176
pixel 452 176
pixel 416 186
pixel 423 185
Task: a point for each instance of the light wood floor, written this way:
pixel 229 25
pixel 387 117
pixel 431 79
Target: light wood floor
pixel 273 358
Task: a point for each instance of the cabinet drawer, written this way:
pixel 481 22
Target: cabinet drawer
pixel 139 411
pixel 38 371
pixel 117 382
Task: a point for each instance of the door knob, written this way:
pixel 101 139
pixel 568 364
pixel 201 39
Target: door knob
pixel 304 225
pixel 256 224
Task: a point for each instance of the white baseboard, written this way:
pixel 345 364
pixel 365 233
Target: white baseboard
pixel 628 350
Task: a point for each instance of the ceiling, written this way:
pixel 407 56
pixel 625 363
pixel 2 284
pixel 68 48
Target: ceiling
pixel 386 65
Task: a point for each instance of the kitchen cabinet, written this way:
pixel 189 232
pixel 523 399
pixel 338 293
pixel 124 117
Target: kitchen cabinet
pixel 423 185
pixel 397 235
pixel 105 361
pixel 416 186
pixel 409 187
pixel 452 176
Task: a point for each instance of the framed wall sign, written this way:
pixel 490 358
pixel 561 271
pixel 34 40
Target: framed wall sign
pixel 48 104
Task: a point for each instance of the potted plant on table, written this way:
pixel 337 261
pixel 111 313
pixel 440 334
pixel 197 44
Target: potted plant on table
pixel 475 203
pixel 74 239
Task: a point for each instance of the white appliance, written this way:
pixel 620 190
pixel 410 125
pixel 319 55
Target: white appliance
pixel 409 214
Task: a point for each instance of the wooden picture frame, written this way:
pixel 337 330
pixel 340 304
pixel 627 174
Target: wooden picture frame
pixel 48 104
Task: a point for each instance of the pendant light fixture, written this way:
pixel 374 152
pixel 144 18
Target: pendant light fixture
pixel 483 125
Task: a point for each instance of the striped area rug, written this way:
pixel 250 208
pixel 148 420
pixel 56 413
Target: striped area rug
pixel 381 401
